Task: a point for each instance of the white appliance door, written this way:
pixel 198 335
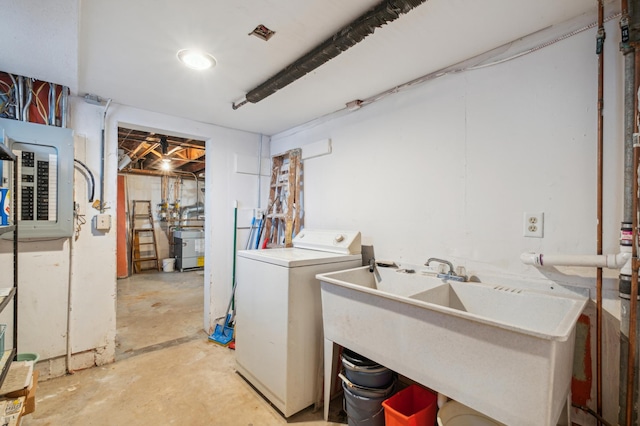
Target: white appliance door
pixel 261 326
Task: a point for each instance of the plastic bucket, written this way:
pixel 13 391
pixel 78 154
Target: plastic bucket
pixel 455 414
pixel 357 359
pixel 413 406
pixel 364 406
pixel 28 357
pixel 168 265
pixel 364 372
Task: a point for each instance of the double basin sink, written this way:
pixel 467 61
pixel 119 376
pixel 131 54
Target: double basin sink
pixel 505 352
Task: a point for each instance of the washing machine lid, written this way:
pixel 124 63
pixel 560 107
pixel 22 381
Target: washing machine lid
pixel 296 257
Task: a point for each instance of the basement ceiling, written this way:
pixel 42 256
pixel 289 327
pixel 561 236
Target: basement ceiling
pixel 157 154
pixel 127 52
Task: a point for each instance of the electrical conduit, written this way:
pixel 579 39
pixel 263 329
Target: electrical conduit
pixel 600 51
pixel 102 155
pixel 25 109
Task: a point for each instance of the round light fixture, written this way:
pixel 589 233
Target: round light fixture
pixel 196 59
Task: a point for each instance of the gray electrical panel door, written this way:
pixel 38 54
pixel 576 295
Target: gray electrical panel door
pixel 45 177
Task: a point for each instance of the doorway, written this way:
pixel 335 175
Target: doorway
pixel 160 293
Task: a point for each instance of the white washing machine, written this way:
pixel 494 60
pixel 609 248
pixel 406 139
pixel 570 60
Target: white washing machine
pixel 279 314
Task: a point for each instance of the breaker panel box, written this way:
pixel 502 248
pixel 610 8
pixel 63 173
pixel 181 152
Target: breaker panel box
pixel 45 177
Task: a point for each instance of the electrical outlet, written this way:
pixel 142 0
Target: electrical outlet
pixel 534 225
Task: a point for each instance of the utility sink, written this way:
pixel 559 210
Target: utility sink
pixel 505 352
pixel 550 317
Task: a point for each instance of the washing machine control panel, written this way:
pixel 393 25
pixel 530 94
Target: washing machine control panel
pixel 343 242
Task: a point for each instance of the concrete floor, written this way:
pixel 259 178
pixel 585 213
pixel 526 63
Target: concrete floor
pixel 166 372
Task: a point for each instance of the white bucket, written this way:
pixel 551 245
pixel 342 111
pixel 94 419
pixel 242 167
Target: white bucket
pixel 455 414
pixel 168 265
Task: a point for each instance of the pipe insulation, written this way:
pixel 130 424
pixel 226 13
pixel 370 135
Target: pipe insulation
pixel 629 100
pixel 611 261
pixel 347 37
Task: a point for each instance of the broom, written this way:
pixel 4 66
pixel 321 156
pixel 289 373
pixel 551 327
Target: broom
pixel 223 333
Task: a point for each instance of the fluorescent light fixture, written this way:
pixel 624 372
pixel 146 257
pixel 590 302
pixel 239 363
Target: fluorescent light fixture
pixel 196 59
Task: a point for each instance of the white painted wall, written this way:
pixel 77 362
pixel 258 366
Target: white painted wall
pixel 39 39
pixel 447 169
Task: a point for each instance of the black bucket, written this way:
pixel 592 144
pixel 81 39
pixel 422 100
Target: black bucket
pixel 364 372
pixel 364 405
pixel 357 359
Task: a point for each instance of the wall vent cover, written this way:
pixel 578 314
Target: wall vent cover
pixel 262 32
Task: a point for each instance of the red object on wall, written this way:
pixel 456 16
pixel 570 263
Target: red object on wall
pixel 582 375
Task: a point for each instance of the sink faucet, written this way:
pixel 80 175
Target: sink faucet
pixel 374 270
pixel 451 274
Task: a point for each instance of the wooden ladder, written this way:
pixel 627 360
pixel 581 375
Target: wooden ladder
pixel 284 217
pixel 144 247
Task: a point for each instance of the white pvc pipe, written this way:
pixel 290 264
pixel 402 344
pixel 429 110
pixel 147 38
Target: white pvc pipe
pixel 260 173
pixel 612 261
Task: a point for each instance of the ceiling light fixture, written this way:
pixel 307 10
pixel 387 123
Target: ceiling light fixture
pixel 196 59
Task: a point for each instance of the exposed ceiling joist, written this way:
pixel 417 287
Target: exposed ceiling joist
pixel 145 149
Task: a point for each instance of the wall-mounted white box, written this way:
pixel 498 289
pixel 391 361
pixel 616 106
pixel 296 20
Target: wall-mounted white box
pixel 103 222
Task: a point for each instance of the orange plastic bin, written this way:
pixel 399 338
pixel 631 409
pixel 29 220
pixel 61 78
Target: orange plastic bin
pixel 412 406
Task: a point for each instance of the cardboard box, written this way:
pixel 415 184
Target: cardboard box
pixel 19 379
pixel 30 401
pixel 29 393
pixel 11 411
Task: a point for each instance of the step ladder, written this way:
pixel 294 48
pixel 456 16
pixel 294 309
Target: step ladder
pixel 285 215
pixel 144 247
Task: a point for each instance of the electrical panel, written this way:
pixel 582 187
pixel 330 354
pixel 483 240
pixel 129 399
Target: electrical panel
pixel 45 177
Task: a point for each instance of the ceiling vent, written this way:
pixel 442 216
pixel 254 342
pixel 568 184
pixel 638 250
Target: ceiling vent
pixel 262 32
